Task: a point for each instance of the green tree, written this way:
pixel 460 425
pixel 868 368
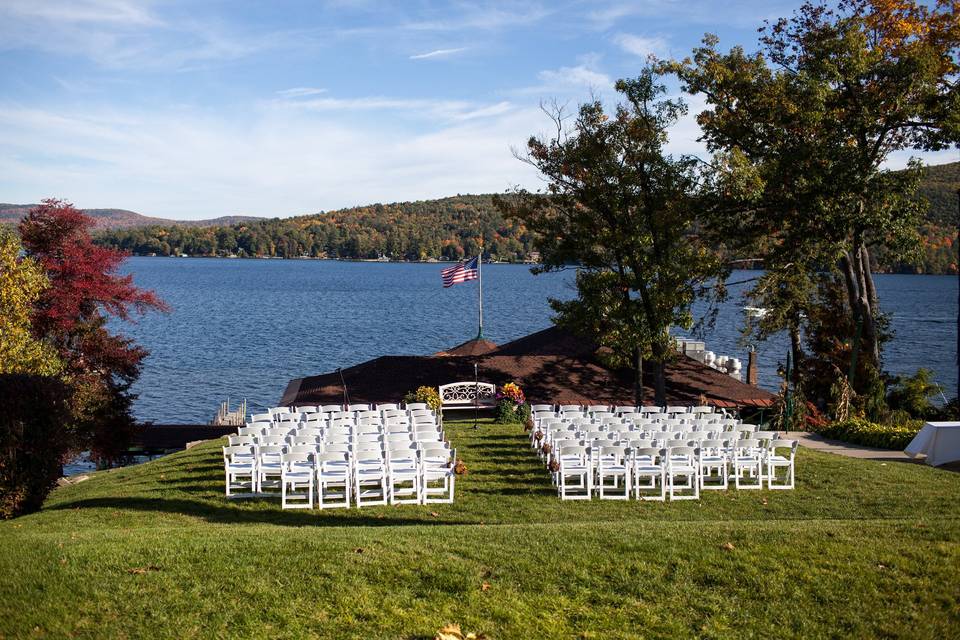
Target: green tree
pixel 623 211
pixel 22 281
pixel 801 131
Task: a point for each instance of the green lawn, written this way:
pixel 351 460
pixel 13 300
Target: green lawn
pixel 860 548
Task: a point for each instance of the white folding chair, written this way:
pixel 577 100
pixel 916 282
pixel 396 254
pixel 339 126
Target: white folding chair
pixel 648 462
pixel 297 473
pixel 714 464
pixel 611 463
pixel 239 462
pixel 682 463
pixel 369 477
pixel 403 473
pixel 575 464
pixel 269 466
pixel 236 440
pixel 747 460
pixel 777 460
pixel 333 479
pixel 437 466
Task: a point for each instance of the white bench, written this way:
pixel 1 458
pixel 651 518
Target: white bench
pixel 467 395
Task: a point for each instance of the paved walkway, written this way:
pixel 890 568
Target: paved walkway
pixel 818 442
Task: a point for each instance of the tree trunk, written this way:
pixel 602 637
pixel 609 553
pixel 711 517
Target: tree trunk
pixel 796 351
pixel 638 376
pixel 869 295
pixel 850 280
pixel 659 375
pixel 868 330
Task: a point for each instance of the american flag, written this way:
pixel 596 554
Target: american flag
pixel 460 272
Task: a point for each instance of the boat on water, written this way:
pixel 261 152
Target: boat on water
pixel 756 312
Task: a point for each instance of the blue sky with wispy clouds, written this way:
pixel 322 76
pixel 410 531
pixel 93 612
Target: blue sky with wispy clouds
pixel 189 109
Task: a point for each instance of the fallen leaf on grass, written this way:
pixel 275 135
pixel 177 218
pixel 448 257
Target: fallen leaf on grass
pixel 435 514
pixel 881 566
pixel 454 632
pixel 143 570
pixel 449 632
pixel 484 586
pixel 727 546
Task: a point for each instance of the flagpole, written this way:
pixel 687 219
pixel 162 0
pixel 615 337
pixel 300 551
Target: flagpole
pixel 480 290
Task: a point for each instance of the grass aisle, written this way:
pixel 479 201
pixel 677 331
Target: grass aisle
pixel 860 548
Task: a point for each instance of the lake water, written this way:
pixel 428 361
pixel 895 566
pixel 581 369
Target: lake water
pixel 243 328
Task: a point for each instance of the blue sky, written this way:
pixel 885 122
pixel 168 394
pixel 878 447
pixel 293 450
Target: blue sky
pixel 188 109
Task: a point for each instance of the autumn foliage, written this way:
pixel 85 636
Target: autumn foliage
pixel 72 295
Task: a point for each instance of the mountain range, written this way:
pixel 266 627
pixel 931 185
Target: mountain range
pixel 939 186
pixel 123 219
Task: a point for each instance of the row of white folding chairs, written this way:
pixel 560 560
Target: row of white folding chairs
pixel 540 421
pixel 326 408
pixel 653 473
pixel 558 427
pixel 308 436
pixel 572 409
pixel 630 414
pixel 546 435
pixel 353 416
pixel 601 415
pixel 370 476
pixel 353 429
pixel 652 439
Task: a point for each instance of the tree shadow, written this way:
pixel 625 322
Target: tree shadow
pixel 227 514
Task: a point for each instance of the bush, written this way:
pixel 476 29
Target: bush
pixel 34 440
pixel 508 411
pixel 871 434
pixel 913 393
pixel 429 395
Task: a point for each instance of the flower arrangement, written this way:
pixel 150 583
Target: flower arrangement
pixel 511 391
pixel 512 404
pixel 428 395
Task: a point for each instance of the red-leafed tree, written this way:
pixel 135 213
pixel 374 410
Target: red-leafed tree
pixel 72 314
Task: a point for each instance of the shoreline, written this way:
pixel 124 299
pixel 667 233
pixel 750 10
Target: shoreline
pixel 439 261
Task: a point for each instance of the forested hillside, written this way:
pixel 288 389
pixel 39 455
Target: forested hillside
pixel 448 228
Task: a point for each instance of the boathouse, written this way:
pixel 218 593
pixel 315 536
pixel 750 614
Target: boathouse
pixel 551 366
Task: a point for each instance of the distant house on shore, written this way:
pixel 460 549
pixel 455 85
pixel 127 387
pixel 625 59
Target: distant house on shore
pixel 551 366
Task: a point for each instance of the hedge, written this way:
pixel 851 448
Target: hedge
pixel 872 434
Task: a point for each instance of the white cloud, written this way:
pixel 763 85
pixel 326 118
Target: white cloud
pixel 736 13
pixel 642 46
pixel 120 12
pixel 414 108
pixel 480 17
pixel 299 92
pixel 580 76
pixel 439 53
pixel 117 35
pixel 274 161
pixel 577 80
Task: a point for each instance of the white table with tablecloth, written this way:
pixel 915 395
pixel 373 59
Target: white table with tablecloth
pixel 939 441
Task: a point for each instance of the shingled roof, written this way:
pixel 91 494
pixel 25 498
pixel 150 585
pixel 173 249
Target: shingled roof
pixel 475 347
pixel 551 366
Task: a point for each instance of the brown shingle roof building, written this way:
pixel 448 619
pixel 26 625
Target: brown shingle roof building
pixel 551 366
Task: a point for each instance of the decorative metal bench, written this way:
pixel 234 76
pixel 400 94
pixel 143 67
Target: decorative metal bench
pixel 467 395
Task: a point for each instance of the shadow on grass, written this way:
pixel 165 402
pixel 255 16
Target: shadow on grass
pixel 227 514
